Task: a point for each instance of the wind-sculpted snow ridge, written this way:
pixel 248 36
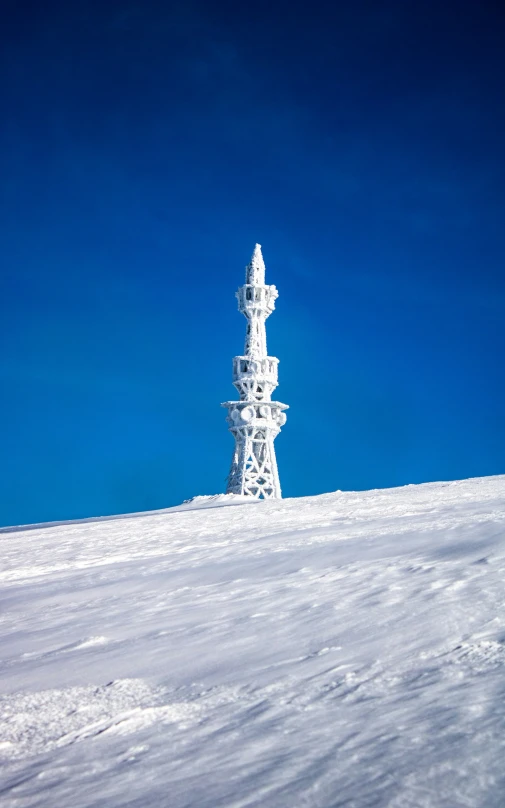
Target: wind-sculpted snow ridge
pixel 340 650
pixel 211 501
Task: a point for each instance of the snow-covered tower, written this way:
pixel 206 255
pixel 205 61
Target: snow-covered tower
pixel 255 420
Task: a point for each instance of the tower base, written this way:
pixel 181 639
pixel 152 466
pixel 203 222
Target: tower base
pixel 253 470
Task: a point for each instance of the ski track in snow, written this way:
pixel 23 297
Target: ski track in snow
pixel 340 650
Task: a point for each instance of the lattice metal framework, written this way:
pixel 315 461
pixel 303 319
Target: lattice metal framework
pixel 255 420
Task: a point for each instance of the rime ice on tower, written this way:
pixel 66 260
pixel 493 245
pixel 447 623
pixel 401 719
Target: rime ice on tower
pixel 255 420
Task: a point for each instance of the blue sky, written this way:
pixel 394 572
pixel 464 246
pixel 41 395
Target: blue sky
pixel 145 148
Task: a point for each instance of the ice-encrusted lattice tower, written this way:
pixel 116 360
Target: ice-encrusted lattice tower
pixel 255 420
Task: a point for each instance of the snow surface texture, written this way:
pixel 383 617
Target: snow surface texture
pixel 340 650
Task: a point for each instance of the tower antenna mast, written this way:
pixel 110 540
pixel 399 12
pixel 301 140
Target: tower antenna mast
pixel 255 420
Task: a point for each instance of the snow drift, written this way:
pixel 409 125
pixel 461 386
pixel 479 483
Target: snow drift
pixel 340 650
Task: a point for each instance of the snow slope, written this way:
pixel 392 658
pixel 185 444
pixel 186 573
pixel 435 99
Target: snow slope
pixel 340 650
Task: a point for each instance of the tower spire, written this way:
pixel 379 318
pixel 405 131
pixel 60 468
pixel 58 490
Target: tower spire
pixel 255 420
pixel 255 270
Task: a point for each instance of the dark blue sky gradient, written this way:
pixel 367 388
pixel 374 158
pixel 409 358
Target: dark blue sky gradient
pixel 146 146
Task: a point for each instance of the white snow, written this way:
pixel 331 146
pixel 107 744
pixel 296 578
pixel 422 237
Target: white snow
pixel 340 650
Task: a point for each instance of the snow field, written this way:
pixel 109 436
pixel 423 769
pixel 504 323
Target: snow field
pixel 340 650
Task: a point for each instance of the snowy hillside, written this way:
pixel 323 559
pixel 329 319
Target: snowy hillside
pixel 340 650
